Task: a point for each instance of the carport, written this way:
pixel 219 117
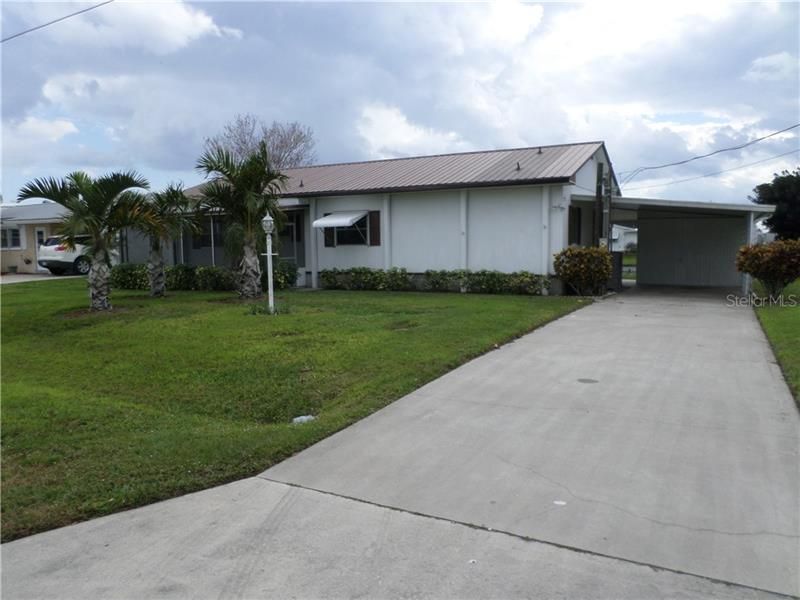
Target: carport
pixel 684 243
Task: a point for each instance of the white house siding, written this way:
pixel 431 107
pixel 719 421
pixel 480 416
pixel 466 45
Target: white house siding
pixel 689 249
pixel 505 229
pixel 500 229
pixel 425 230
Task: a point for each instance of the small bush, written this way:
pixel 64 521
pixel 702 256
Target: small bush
pixel 284 275
pixel 397 280
pixel 528 284
pixel 438 281
pixel 584 270
pixel 329 279
pixel 128 276
pixel 487 282
pixel 363 278
pixel 180 277
pixel 214 279
pixel 775 265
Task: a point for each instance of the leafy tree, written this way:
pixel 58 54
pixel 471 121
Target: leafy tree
pixel 99 208
pixel 784 193
pixel 288 144
pixel 244 190
pixel 169 214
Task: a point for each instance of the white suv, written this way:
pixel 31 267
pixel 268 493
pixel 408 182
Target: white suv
pixel 54 256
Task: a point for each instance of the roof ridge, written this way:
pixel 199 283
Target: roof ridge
pixel 378 160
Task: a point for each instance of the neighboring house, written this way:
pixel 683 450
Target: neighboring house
pixel 24 227
pixel 506 210
pixel 622 236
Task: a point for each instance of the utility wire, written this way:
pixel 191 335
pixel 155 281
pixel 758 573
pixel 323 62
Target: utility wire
pixel 758 162
pixel 78 12
pixel 639 170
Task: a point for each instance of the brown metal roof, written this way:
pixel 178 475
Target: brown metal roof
pixel 467 169
pixel 538 164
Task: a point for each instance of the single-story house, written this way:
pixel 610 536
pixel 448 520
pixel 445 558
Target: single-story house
pixel 24 227
pixel 506 210
pixel 622 237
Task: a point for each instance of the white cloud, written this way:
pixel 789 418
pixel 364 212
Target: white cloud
pixel 775 67
pixel 31 140
pixel 38 130
pixel 389 134
pixel 157 27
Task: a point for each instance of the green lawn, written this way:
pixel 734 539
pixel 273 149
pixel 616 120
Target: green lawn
pixel 629 259
pixel 107 411
pixel 782 326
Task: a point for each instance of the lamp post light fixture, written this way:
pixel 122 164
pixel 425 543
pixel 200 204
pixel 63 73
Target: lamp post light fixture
pixel 268 225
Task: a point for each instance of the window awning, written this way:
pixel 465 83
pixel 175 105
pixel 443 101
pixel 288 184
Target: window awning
pixel 340 219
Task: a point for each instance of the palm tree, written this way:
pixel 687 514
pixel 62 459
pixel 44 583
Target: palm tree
pixel 244 191
pixel 99 208
pixel 169 213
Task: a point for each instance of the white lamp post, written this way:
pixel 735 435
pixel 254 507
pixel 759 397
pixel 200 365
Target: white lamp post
pixel 268 224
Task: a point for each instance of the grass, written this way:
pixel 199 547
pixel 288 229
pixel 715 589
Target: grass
pixel 102 412
pixel 629 259
pixel 782 326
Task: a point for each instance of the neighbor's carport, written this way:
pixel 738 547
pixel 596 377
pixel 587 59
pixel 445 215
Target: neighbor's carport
pixel 683 243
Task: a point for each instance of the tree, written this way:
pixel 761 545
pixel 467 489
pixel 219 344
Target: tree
pixel 169 214
pixel 244 190
pixel 99 208
pixel 784 193
pixel 288 144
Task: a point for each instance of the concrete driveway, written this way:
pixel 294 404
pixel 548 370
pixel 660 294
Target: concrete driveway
pixel 645 446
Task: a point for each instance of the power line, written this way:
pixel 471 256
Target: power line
pixel 78 12
pixel 758 162
pixel 639 170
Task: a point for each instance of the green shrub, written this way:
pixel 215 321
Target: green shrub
pixel 585 270
pixel 128 276
pixel 329 279
pixel 438 281
pixel 214 279
pixel 486 282
pixel 284 275
pixel 396 279
pixel 529 284
pixel 775 265
pixel 180 277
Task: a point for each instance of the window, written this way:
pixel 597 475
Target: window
pixel 10 238
pixel 355 235
pixel 366 231
pixel 202 239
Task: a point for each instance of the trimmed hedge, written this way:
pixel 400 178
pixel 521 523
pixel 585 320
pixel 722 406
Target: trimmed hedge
pixel 128 276
pixel 775 265
pixel 477 282
pixel 585 270
pixel 214 279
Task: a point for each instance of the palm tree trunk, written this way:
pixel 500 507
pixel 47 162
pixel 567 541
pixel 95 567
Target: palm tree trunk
pixel 155 270
pixel 99 276
pixel 250 274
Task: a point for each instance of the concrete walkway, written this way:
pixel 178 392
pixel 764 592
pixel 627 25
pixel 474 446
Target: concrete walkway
pixel 10 278
pixel 643 447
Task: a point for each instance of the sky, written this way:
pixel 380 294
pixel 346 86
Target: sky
pixel 140 85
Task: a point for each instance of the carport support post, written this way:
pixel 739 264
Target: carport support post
pixel 598 206
pixel 747 280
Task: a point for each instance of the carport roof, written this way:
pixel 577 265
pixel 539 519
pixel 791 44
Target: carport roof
pixel 635 203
